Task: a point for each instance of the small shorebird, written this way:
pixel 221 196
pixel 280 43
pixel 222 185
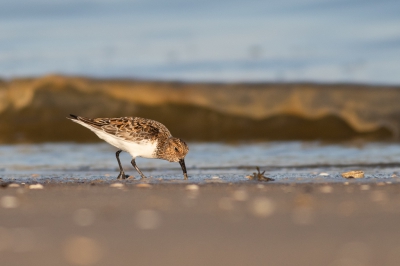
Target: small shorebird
pixel 140 137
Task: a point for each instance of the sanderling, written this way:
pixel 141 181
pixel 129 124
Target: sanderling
pixel 140 137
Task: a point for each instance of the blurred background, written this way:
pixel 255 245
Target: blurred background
pixel 193 40
pixel 252 70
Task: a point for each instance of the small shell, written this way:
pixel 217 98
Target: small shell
pixel 353 174
pixel 192 187
pixel 117 185
pixel 36 186
pixel 144 185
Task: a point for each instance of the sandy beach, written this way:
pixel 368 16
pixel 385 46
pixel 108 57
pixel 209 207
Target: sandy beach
pixel 62 205
pixel 182 223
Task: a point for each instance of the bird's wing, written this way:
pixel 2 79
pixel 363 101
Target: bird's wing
pixel 129 128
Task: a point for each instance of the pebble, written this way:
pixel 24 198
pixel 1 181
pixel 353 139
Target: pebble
pixel 117 185
pixel 365 187
pixel 192 187
pixel 144 185
pixel 326 189
pixel 9 202
pixel 323 174
pixel 260 186
pixel 353 174
pixel 215 177
pixel 36 186
pixel 262 207
pixel 13 185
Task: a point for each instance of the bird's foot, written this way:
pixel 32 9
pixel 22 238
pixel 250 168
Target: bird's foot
pixel 122 176
pixel 143 177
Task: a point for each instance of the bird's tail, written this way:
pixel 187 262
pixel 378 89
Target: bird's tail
pixel 73 117
pixel 85 121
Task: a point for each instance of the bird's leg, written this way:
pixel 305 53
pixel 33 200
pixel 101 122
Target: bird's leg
pixel 121 171
pixel 137 168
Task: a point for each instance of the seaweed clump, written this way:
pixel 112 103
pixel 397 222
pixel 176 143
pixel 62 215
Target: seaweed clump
pixel 259 176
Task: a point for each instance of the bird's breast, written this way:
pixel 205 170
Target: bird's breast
pixel 145 149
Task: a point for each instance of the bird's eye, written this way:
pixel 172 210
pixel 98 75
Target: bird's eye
pixel 176 149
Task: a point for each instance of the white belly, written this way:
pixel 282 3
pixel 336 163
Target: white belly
pixel 144 149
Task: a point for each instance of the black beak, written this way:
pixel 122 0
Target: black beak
pixel 182 163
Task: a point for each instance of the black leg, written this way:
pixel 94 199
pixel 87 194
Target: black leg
pixel 137 168
pixel 121 171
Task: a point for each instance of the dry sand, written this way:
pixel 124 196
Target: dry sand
pixel 245 223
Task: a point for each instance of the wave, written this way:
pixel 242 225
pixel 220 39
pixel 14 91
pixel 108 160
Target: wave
pixel 34 109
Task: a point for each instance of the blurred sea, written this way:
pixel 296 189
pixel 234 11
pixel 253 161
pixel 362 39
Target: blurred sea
pixel 193 40
pixel 71 156
pixel 283 161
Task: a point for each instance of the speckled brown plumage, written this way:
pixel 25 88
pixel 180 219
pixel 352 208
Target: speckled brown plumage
pixel 130 128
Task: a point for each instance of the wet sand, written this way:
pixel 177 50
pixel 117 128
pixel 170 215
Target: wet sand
pixel 210 223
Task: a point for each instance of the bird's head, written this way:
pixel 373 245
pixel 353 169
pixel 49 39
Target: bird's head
pixel 175 151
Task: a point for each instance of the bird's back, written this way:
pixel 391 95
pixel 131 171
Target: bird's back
pixel 127 128
pixel 136 135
